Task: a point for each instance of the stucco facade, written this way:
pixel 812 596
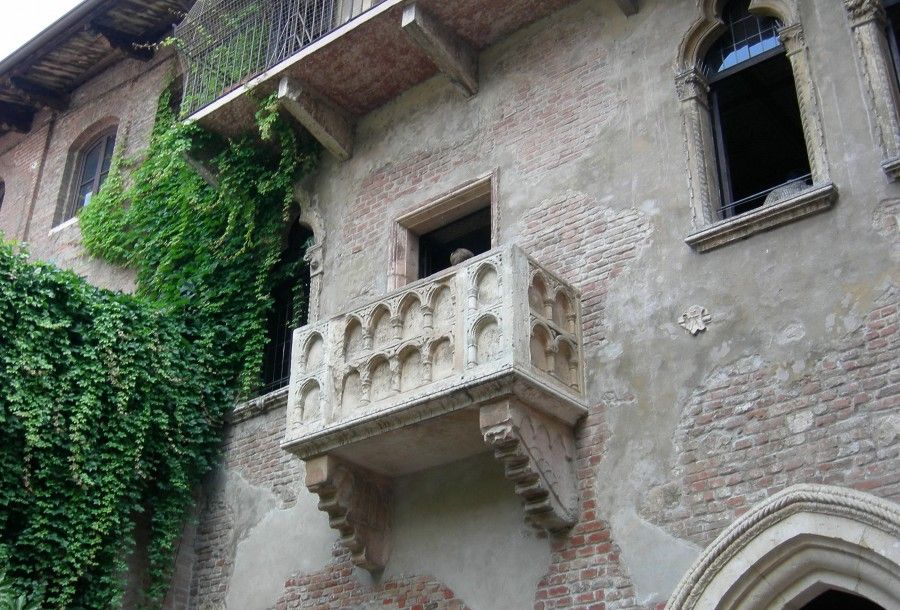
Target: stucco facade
pixel 580 123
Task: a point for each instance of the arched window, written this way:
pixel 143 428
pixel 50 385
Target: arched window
pixel 760 146
pixel 92 167
pixel 754 136
pixel 290 308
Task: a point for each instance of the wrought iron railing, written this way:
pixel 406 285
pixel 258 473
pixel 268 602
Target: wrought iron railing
pixel 225 43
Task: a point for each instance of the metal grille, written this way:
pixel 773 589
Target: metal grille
pixel 748 36
pixel 225 43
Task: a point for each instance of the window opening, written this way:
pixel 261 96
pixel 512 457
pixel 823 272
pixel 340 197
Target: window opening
pixel 472 233
pixel 2 193
pixel 290 309
pixel 94 164
pixel 760 145
pixel 839 600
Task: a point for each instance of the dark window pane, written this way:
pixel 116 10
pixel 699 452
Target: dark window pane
pixel 108 153
pixel 760 134
pixel 91 162
pixel 84 194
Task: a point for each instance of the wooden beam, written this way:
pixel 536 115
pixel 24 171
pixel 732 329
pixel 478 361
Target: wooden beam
pixel 141 49
pixel 14 117
pixel 37 95
pixel 452 55
pixel 629 7
pixel 331 127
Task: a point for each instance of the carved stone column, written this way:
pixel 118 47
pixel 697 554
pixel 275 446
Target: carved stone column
pixel 794 42
pixel 538 455
pixel 868 22
pixel 693 91
pixel 358 504
pixel 314 257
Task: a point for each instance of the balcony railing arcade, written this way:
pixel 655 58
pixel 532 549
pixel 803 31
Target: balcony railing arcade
pixel 486 355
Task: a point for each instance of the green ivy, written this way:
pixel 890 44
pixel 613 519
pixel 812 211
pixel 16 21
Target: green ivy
pixel 113 405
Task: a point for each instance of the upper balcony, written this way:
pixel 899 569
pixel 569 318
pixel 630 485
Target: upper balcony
pixel 485 355
pixel 332 61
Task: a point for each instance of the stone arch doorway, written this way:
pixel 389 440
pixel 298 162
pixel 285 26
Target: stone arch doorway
pixel 793 549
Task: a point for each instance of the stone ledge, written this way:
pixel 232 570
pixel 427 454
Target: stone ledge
pixel 891 168
pixel 811 201
pixel 259 405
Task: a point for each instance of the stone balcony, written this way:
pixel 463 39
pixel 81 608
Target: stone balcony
pixel 373 57
pixel 483 356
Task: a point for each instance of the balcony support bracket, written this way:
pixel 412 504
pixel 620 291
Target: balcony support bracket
pixel 538 456
pixel 452 55
pixel 358 506
pixel 629 7
pixel 331 127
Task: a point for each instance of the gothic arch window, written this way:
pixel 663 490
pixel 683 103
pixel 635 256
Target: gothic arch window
pixel 876 31
pixel 803 548
pixel 755 144
pixel 93 160
pixel 290 307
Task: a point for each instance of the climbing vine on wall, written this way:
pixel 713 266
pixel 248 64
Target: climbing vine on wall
pixel 111 404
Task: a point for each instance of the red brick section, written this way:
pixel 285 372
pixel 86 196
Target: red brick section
pixel 335 587
pixel 746 434
pixel 544 121
pixel 590 246
pixel 585 572
pixel 253 450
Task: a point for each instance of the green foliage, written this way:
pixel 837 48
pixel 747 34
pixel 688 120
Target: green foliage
pixel 112 405
pixel 210 252
pixel 10 600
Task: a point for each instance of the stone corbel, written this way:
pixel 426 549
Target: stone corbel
pixel 327 124
pixel 358 506
pixel 538 455
pixel 629 7
pixel 450 53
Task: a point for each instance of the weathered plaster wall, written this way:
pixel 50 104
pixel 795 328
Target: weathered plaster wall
pixel 580 115
pixel 37 167
pixel 794 381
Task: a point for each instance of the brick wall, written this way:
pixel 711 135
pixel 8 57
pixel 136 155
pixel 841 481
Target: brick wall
pixel 752 428
pixel 126 94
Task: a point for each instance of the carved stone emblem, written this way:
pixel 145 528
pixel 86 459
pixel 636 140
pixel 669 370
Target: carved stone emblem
pixel 695 319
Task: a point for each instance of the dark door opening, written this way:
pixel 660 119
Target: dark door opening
pixel 472 232
pixel 839 600
pixel 290 309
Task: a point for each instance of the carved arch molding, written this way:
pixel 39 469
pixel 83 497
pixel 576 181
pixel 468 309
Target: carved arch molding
pixel 792 547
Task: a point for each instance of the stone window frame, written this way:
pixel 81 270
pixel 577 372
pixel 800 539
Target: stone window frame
pixel 74 162
pixel 708 231
pixel 433 214
pixel 868 25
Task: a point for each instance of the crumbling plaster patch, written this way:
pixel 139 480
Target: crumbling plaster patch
pixel 463 524
pixel 267 543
